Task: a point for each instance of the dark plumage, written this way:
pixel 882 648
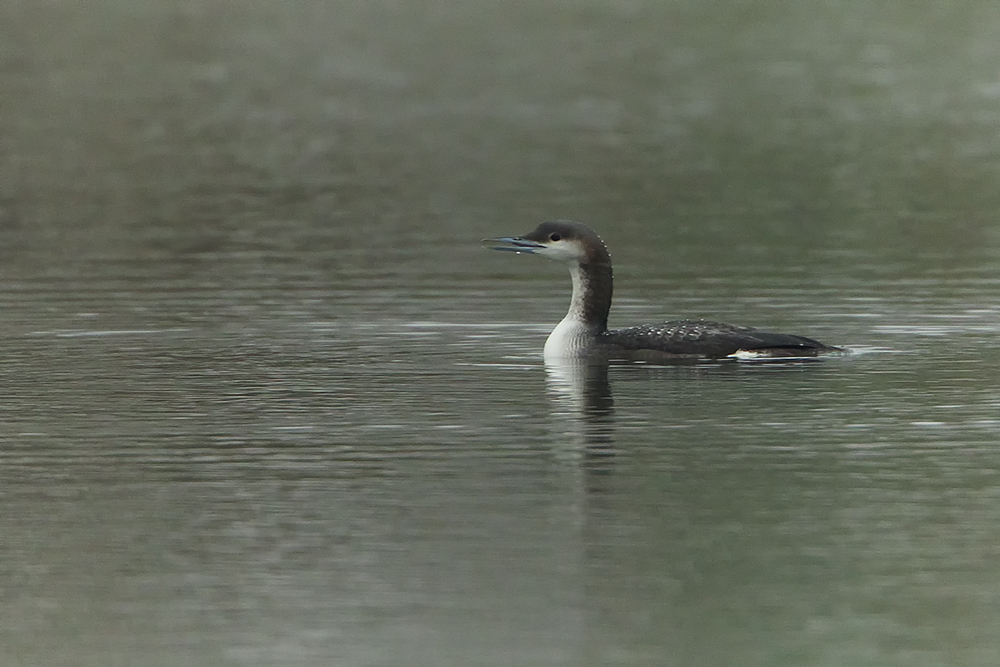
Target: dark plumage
pixel 702 338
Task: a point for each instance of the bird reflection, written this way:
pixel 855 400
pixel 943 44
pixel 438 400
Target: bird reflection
pixel 583 404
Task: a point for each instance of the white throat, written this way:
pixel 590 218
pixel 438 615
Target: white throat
pixel 572 337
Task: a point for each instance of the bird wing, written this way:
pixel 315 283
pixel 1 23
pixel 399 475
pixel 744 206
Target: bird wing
pixel 709 339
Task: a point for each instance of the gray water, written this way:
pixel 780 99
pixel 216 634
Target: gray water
pixel 266 400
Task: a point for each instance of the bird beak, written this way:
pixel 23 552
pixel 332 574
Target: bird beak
pixel 513 244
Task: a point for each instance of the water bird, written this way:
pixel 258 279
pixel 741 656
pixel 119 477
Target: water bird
pixel 584 331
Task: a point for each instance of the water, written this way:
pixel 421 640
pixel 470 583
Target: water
pixel 267 401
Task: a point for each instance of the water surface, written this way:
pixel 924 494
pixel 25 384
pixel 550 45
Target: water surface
pixel 267 401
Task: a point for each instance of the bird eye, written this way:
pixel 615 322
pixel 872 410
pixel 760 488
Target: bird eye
pixel 554 237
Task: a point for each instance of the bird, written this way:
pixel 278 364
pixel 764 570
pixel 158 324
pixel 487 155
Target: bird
pixel 584 332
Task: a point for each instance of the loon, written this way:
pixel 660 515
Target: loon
pixel 584 331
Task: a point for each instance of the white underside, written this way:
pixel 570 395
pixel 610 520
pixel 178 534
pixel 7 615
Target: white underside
pixel 748 354
pixel 571 338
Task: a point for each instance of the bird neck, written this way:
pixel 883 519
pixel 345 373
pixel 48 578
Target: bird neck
pixel 592 288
